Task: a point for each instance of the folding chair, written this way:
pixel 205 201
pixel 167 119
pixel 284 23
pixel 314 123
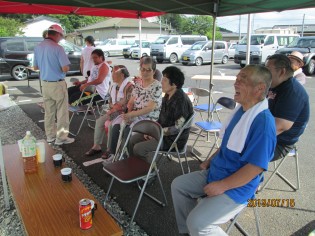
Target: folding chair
pixel 102 106
pixel 132 169
pixel 200 92
pixel 85 109
pixel 212 127
pixel 177 151
pixel 292 153
pixel 239 227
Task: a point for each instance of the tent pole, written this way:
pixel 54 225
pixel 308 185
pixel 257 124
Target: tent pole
pixel 140 28
pixel 249 34
pixel 212 62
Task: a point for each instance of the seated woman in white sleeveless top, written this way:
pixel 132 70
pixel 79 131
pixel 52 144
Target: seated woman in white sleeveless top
pixel 100 76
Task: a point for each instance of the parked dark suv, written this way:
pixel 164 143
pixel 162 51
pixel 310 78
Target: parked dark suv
pixel 14 53
pixel 306 46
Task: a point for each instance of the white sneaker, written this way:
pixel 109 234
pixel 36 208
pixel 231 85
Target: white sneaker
pixel 50 140
pixel 64 141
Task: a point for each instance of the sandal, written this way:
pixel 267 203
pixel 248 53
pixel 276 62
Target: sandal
pixel 92 152
pixel 106 155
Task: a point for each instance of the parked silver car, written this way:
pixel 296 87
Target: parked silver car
pixel 200 53
pixel 231 49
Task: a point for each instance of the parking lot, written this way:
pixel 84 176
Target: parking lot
pixel 133 64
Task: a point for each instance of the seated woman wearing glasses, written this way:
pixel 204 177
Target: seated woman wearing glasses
pixel 100 77
pixel 176 110
pixel 144 104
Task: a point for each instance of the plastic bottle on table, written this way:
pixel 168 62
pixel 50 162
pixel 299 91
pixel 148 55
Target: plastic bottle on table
pixel 29 153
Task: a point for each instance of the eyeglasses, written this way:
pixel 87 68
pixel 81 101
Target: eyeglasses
pixel 145 70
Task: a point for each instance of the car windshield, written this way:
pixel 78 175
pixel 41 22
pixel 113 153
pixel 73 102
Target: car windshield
pixel 302 43
pixel 68 47
pixel 254 40
pixel 106 41
pixel 161 40
pixel 197 46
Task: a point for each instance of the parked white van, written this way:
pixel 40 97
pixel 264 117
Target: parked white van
pixel 261 47
pixel 114 47
pixel 171 47
pixel 145 51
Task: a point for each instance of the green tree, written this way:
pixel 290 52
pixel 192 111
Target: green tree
pixel 69 22
pixel 73 22
pixel 175 20
pixel 201 25
pixel 9 27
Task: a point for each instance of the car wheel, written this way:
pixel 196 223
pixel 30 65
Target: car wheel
pixel 225 60
pixel 144 54
pixel 198 61
pixel 310 68
pixel 125 56
pixel 106 54
pixel 19 72
pixel 242 65
pixel 185 63
pixel 159 60
pixel 173 58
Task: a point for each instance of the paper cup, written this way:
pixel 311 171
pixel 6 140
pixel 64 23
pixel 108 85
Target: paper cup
pixel 66 174
pixel 57 159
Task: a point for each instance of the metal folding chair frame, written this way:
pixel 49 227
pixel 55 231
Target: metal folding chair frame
pixel 292 153
pixel 84 109
pixel 239 227
pixel 213 126
pixel 204 108
pixel 174 145
pixel 115 169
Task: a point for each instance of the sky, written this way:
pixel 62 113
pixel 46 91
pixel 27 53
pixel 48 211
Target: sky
pixel 268 19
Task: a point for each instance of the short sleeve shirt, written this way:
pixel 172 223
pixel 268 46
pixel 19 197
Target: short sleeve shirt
pixel 144 95
pixel 258 150
pixel 88 62
pixel 50 57
pixel 290 101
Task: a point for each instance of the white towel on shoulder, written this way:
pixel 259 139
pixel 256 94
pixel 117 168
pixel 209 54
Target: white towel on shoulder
pixel 239 134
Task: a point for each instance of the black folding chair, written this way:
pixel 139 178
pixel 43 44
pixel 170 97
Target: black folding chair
pixel 173 150
pixel 133 168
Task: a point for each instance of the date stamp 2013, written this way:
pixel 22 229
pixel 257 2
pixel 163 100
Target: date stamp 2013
pixel 271 202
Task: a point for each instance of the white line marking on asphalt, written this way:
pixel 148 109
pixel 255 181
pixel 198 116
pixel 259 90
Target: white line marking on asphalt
pixel 88 163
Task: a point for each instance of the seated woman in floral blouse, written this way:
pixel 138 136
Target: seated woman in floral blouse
pixel 176 109
pixel 144 104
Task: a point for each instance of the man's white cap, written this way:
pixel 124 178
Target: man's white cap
pixel 56 28
pixel 297 56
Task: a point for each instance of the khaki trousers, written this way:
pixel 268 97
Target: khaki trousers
pixel 55 95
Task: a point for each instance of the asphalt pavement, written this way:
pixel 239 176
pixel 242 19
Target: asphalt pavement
pixel 156 220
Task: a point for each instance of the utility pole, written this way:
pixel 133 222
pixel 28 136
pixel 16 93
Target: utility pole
pixel 239 28
pixel 160 25
pixel 303 25
pixel 253 23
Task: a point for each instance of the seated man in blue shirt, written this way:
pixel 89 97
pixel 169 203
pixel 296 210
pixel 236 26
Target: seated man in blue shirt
pixel 231 176
pixel 288 103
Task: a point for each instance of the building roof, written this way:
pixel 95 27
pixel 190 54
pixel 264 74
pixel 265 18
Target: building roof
pixel 40 18
pixel 307 27
pixel 122 22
